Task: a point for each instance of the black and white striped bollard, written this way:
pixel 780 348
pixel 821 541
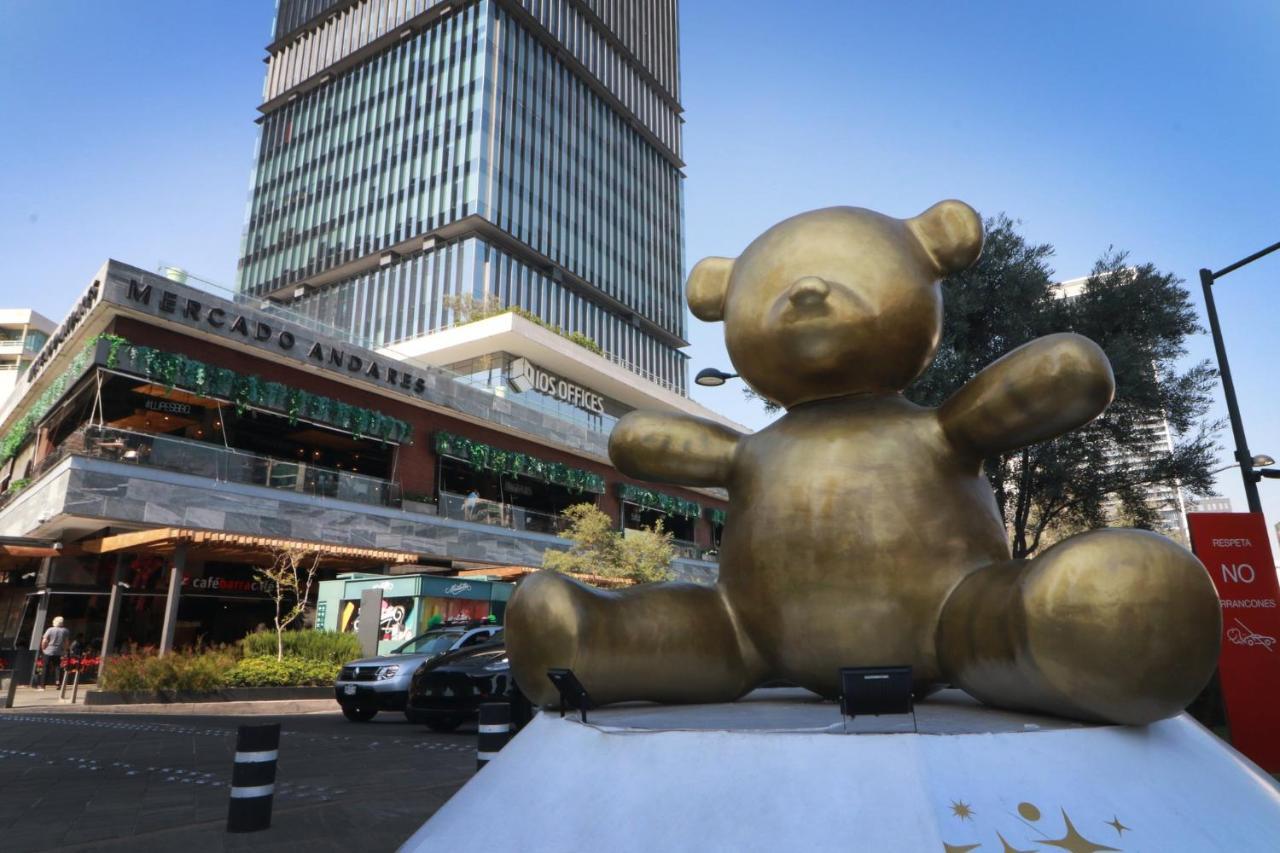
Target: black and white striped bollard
pixel 495 731
pixel 253 778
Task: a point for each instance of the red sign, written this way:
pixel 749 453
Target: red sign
pixel 1235 548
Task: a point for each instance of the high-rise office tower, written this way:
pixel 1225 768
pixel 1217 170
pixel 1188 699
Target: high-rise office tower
pixel 521 151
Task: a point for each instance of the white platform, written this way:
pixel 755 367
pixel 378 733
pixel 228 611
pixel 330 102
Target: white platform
pixel 777 772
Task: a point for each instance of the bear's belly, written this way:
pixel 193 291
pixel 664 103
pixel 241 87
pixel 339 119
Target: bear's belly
pixel 850 564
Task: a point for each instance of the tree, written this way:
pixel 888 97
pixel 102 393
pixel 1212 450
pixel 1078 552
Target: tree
pixel 1141 318
pixel 643 557
pixel 288 580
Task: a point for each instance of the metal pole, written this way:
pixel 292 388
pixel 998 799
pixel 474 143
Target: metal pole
pixel 113 616
pixel 37 633
pixel 1244 261
pixel 171 598
pixel 1243 456
pixel 11 690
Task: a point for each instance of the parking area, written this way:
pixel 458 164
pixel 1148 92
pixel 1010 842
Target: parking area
pixel 121 782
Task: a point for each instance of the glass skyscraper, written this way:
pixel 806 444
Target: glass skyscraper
pixel 523 150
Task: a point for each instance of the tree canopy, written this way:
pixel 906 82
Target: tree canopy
pixel 1115 467
pixel 644 556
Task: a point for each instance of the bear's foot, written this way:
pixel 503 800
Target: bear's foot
pixel 671 642
pixel 1117 626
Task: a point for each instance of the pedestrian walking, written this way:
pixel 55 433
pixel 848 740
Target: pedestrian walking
pixel 52 645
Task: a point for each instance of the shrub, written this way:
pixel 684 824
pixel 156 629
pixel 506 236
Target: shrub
pixel 124 672
pixel 291 672
pixel 322 646
pixel 195 672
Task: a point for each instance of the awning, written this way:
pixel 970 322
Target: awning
pixel 241 548
pixel 15 549
pixel 511 574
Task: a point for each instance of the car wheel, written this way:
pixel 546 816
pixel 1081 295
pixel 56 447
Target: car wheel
pixel 359 713
pixel 415 717
pixel 443 724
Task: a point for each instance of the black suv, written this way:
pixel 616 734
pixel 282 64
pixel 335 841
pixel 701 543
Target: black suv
pixel 448 691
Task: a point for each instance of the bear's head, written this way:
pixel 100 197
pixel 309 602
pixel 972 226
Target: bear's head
pixel 837 301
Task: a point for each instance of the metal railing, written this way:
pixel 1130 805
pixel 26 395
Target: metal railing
pixel 10 346
pixel 266 306
pixel 497 514
pixel 201 459
pixel 607 356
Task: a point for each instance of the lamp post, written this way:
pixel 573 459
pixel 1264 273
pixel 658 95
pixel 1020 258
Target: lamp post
pixel 1262 460
pixel 710 377
pixel 1243 457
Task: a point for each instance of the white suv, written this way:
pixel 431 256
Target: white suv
pixel 365 687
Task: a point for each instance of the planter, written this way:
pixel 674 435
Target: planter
pixel 229 694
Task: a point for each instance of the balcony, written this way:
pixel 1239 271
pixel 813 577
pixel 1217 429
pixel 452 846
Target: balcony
pixel 14 346
pixel 201 459
pixel 510 516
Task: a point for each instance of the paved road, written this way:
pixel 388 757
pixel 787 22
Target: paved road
pixel 137 783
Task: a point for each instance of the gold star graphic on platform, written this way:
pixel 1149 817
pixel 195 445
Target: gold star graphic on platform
pixel 962 810
pixel 1120 828
pixel 1073 841
pixel 959 848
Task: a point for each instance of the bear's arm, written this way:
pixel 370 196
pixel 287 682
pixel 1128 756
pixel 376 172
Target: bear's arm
pixel 677 449
pixel 1038 391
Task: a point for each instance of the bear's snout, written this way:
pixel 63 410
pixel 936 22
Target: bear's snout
pixel 809 292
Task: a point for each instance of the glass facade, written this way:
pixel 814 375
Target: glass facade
pixel 557 122
pixel 381 154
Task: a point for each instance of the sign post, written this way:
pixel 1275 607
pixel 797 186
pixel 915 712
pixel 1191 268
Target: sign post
pixel 1235 548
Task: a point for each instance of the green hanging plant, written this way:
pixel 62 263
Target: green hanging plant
pixel 293 405
pixel 481 456
pixel 114 344
pixel 173 370
pixel 662 502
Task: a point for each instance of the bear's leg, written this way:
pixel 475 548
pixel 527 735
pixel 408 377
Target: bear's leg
pixel 671 642
pixel 1118 626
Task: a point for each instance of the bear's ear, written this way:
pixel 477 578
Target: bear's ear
pixel 951 232
pixel 708 284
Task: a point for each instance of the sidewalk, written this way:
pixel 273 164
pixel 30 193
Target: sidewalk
pixel 28 700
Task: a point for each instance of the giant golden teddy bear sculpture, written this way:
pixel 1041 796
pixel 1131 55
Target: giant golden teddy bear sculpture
pixel 861 530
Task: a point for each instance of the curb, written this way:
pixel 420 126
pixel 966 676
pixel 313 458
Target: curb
pixel 229 694
pixel 203 709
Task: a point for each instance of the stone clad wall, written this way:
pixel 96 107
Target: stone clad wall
pixel 122 493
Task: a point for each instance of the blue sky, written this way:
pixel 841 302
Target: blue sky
pixel 1151 126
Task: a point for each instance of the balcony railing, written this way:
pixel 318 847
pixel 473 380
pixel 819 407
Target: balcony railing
pixel 497 514
pixel 10 346
pixel 229 465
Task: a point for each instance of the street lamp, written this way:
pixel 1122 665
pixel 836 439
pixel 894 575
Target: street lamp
pixel 709 377
pixel 1262 460
pixel 1243 457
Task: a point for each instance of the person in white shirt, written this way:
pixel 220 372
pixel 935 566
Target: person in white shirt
pixel 53 645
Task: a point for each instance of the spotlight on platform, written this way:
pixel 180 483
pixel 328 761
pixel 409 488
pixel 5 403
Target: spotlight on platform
pixel 572 693
pixel 875 690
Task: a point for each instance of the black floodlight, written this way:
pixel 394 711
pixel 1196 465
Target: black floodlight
pixel 875 690
pixel 572 693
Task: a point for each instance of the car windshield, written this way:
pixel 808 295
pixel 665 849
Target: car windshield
pixel 431 643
